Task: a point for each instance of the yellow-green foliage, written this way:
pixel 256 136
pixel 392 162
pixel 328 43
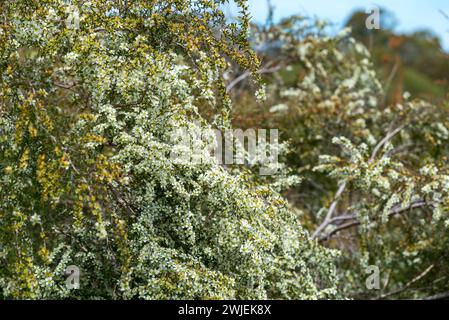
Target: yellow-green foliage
pixel 85 116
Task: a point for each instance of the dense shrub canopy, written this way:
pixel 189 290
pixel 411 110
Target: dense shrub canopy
pixel 86 114
pixel 90 95
pixel 375 176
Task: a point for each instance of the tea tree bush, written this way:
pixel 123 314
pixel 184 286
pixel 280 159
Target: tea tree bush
pixel 375 176
pixel 89 94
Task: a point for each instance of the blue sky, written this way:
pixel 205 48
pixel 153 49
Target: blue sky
pixel 410 14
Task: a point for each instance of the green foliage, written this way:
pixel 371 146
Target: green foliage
pixel 375 176
pixel 86 115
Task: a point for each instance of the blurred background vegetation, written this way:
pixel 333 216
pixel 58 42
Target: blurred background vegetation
pixel 413 62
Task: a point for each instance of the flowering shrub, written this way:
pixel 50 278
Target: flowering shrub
pixel 90 95
pixel 86 112
pixel 375 176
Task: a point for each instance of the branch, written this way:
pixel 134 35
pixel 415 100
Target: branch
pixel 331 210
pixel 265 69
pixel 408 284
pixel 384 141
pixel 439 296
pixel 121 201
pixel 395 211
pixel 390 79
pixel 68 86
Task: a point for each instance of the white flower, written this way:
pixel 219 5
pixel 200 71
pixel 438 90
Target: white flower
pixel 279 108
pixel 35 219
pixel 261 94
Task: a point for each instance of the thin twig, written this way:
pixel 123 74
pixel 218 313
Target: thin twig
pixel 330 212
pixel 408 284
pixel 264 70
pixel 395 211
pixel 384 141
pixel 390 80
pixel 439 296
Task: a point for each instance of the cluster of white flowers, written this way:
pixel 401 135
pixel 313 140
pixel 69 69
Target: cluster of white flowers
pixel 92 129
